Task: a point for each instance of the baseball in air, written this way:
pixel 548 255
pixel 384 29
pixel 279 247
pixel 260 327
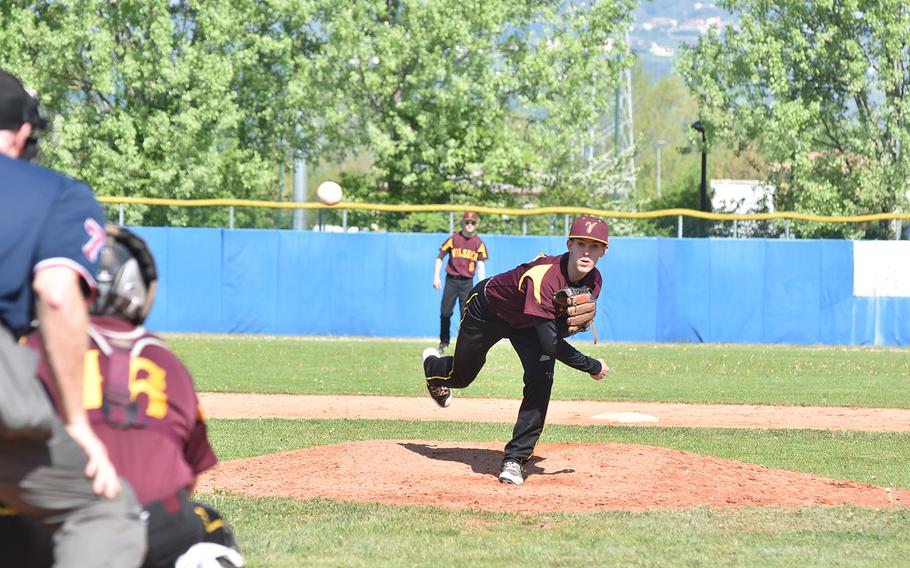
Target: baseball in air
pixel 329 193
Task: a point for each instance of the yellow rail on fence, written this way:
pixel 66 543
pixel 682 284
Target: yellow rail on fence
pixel 503 211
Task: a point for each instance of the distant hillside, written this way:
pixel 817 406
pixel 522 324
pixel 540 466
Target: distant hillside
pixel 662 25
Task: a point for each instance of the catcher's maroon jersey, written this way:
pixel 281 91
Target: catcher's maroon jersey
pixel 166 444
pixel 526 291
pixel 463 254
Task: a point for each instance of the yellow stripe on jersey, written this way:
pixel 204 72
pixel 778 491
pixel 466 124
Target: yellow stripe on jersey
pixel 450 243
pixel 535 274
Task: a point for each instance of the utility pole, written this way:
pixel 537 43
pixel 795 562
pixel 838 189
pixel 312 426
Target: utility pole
pixel 624 128
pixel 300 191
pixel 659 144
pixel 703 190
pixel 616 111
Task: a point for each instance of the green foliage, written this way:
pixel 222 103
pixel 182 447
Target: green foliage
pixel 496 103
pixel 425 222
pixel 174 100
pixel 664 111
pixel 682 192
pixel 469 102
pixel 821 88
pixel 460 102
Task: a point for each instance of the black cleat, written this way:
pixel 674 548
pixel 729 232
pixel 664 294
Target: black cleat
pixel 441 395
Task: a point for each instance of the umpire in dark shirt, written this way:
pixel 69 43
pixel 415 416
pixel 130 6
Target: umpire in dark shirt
pixel 51 232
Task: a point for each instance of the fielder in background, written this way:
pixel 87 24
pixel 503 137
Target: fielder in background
pixel 523 305
pixel 142 404
pixel 53 470
pixel 467 253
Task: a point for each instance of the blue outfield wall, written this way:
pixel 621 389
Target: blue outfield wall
pixel 380 284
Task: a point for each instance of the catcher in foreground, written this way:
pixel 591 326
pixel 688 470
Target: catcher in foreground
pixel 142 404
pixel 536 306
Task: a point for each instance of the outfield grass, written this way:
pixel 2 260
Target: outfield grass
pixel 747 374
pixel 286 532
pixel 279 532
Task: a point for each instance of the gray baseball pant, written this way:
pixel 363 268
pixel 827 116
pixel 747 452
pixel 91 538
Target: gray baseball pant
pixel 46 480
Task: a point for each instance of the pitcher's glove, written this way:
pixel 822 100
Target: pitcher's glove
pixel 575 310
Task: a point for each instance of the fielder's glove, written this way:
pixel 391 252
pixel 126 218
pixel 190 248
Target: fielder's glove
pixel 575 310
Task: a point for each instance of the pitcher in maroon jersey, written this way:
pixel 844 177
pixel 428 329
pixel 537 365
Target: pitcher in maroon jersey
pixel 142 404
pixel 467 254
pixel 518 305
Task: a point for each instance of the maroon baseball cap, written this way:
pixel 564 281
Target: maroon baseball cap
pixel 471 216
pixel 591 228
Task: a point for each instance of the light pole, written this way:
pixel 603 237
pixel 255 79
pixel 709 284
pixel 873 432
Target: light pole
pixel 659 144
pixel 703 190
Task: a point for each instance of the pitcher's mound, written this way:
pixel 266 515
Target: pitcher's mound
pixel 562 477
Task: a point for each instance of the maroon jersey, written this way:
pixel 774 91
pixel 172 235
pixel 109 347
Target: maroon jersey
pixel 526 291
pixel 463 254
pixel 160 442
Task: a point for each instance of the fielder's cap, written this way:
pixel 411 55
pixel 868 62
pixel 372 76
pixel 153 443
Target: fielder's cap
pixel 14 100
pixel 591 228
pixel 471 216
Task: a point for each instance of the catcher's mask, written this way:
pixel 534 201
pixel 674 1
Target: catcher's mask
pixel 127 277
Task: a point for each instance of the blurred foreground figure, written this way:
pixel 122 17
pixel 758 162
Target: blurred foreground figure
pixel 55 474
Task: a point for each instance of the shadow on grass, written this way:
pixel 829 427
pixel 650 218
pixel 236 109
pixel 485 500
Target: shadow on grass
pixel 481 460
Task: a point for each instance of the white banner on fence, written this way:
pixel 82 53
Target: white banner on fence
pixel 881 269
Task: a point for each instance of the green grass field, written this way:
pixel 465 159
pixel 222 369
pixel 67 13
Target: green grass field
pixel 816 376
pixel 282 532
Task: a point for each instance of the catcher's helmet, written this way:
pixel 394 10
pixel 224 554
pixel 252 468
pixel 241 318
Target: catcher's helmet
pixel 127 277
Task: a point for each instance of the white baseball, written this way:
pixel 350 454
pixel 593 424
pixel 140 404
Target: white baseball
pixel 329 192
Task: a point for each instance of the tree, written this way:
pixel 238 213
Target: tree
pixel 663 112
pixel 473 101
pixel 178 99
pixel 821 89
